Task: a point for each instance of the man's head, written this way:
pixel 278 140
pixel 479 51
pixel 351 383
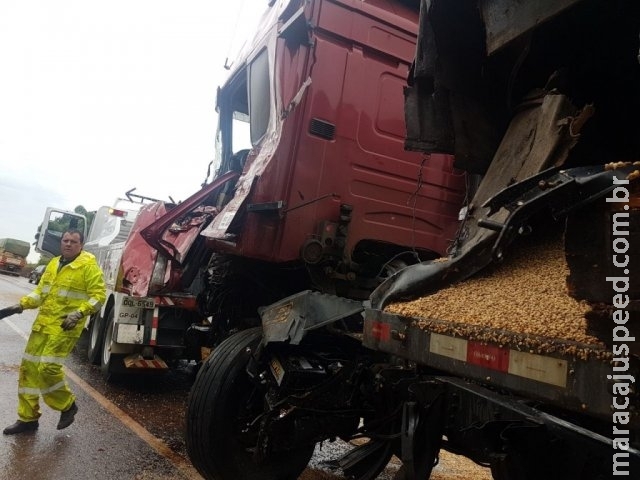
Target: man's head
pixel 72 241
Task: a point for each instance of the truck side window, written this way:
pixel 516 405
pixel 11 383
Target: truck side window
pixel 259 96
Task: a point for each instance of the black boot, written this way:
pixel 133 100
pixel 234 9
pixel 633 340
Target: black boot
pixel 20 427
pixel 66 417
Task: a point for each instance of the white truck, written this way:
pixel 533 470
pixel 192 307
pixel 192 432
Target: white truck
pixel 132 325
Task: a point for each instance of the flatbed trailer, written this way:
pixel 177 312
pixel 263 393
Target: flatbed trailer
pixel 541 412
pixel 527 405
pixel 574 377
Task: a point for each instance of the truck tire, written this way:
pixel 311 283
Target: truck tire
pixel 221 397
pixel 96 336
pixel 111 364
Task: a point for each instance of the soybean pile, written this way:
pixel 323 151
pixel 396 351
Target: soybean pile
pixel 522 302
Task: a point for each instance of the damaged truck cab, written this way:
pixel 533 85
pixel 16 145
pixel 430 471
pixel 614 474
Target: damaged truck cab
pixel 537 101
pixel 311 119
pixel 312 187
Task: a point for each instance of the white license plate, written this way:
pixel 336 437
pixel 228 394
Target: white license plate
pixel 137 302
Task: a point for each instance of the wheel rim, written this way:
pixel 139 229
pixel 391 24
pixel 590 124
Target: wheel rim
pixel 93 340
pixel 106 347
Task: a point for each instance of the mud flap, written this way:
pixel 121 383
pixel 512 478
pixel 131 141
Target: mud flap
pixel 137 362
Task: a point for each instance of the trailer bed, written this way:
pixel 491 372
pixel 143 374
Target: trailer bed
pixel 560 373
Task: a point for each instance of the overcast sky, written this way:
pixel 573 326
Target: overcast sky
pixel 98 97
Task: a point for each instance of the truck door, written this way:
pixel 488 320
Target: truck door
pixel 54 224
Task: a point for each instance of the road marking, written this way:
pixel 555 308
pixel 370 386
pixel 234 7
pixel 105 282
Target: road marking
pixel 154 442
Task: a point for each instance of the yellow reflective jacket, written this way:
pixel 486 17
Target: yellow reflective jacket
pixel 78 285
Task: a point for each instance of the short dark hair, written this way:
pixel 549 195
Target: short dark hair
pixel 75 231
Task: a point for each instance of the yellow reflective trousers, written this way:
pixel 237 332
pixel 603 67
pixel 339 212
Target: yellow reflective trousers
pixel 77 286
pixel 41 374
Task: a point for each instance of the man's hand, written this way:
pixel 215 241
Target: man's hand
pixel 8 311
pixel 72 320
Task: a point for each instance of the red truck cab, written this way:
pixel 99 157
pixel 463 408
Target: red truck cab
pixel 325 180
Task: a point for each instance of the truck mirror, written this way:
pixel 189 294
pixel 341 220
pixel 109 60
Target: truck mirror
pixel 54 224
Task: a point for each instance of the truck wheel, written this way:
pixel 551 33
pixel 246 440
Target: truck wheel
pixel 111 364
pixel 96 334
pixel 221 402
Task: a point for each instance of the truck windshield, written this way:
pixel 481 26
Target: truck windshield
pixel 244 106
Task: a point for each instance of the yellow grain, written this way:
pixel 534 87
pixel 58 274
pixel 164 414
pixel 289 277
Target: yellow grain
pixel 522 302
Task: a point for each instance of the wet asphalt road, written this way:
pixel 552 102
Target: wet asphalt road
pixel 98 445
pixel 130 430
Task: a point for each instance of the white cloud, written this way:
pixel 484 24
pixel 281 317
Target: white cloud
pixel 97 98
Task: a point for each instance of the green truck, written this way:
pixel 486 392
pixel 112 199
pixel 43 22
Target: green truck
pixel 13 255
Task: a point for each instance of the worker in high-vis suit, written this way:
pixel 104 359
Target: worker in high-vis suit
pixel 72 287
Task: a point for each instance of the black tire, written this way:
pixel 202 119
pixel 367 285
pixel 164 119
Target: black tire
pixel 221 401
pixel 111 364
pixel 96 336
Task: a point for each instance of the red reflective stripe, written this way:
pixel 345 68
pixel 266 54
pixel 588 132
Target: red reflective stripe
pixel 164 301
pixel 189 302
pixel 381 331
pixel 488 356
pixel 141 363
pixel 154 327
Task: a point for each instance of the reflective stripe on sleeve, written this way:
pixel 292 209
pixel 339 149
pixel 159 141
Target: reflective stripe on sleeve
pixel 35 296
